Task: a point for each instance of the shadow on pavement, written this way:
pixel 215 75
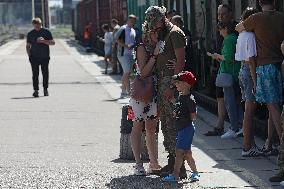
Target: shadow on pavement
pixel 23 98
pixel 142 182
pixel 118 160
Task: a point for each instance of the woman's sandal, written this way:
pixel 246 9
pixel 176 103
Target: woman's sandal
pixel 154 169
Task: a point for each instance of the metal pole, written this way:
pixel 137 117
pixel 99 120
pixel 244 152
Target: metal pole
pixel 43 13
pixel 33 8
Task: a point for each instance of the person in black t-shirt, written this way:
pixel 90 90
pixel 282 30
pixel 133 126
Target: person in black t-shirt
pixel 184 114
pixel 38 42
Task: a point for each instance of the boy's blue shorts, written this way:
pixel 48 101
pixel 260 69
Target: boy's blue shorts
pixel 185 137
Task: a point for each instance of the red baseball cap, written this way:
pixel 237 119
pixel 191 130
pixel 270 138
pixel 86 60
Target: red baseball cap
pixel 186 76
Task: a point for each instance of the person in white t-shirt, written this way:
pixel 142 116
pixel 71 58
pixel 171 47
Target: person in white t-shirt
pixel 246 52
pixel 108 45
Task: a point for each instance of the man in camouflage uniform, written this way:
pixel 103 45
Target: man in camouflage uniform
pixel 172 49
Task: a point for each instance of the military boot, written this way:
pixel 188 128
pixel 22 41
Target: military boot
pixel 278 177
pixel 182 173
pixel 169 168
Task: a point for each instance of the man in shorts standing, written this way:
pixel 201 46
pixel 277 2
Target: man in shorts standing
pixel 268 27
pixel 173 49
pixel 125 38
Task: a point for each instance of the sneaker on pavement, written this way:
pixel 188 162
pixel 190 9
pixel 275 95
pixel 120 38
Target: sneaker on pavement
pixel 194 177
pixel 139 170
pixel 35 94
pixel 229 134
pixel 269 151
pixel 253 152
pixel 279 177
pixel 282 183
pixel 45 92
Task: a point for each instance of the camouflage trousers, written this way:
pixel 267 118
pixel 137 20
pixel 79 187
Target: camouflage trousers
pixel 165 108
pixel 281 148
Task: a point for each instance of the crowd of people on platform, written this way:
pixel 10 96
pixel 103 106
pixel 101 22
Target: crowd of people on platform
pixel 249 55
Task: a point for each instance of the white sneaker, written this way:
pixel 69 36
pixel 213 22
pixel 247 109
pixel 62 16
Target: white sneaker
pixel 229 134
pixel 253 152
pixel 282 183
pixel 139 170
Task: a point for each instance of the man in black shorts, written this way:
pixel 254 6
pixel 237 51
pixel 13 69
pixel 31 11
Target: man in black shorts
pixel 38 41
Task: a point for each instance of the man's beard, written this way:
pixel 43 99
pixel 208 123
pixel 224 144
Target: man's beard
pixel 163 32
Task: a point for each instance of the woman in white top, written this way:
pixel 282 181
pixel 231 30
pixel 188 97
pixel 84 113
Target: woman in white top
pixel 246 52
pixel 108 45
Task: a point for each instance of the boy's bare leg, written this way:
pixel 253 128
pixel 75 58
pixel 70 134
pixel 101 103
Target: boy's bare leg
pixel 190 160
pixel 178 162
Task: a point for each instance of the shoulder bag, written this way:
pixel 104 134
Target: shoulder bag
pixel 142 89
pixel 224 80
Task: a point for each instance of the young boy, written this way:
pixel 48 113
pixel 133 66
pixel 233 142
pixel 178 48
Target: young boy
pixel 184 113
pixel 108 45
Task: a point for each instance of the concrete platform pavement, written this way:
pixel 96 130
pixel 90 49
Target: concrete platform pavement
pixel 71 139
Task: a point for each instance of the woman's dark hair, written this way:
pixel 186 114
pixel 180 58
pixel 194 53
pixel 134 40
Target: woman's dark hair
pixel 248 12
pixel 105 27
pixel 229 25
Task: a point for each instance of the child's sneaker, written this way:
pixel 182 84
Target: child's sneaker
pixel 194 177
pixel 139 170
pixel 170 178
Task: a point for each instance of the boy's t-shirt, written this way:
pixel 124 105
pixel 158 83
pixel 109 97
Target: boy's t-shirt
pixel 184 106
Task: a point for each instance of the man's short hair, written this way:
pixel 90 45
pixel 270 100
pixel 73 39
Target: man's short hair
pixel 266 2
pixel 132 16
pixel 114 21
pixel 178 19
pixel 226 6
pixel 36 21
